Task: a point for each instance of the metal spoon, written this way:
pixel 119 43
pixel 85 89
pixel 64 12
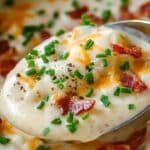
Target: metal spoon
pixel 142 28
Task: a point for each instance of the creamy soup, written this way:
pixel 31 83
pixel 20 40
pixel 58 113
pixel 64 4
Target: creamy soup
pixel 78 86
pixel 13 18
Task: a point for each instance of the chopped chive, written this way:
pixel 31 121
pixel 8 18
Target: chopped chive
pixel 55 15
pixel 46 131
pixel 31 72
pixel 64 56
pixel 105 100
pixel 106 15
pixel 125 90
pixel 41 71
pixel 78 74
pixel 28 57
pixel 100 55
pixel 69 117
pixel 60 85
pixel 46 98
pixel 117 91
pixel 4 140
pixel 71 127
pixel 60 32
pixel 85 116
pixel 40 105
pixel 89 78
pixel 44 58
pixel 10 37
pixel 75 122
pixel 41 147
pixel 89 92
pixel 34 52
pixel 41 12
pixel 75 4
pixel 86 20
pixel 123 3
pixel 50 72
pixel 56 121
pixel 71 74
pixel 124 66
pixel 31 63
pixel 89 43
pixel 90 66
pixel 51 23
pixel 107 52
pixel 131 106
pixel 104 63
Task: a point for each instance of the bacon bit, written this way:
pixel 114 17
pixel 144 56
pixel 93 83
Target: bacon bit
pixel 126 15
pixel 144 10
pixel 45 35
pixel 95 19
pixel 70 102
pixel 115 147
pixel 77 13
pixel 82 106
pixel 130 50
pixel 129 79
pixel 6 66
pixel 4 46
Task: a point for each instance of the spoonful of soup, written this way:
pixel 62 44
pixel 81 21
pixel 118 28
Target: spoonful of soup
pixel 80 85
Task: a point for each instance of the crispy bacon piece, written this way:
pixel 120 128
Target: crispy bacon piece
pixel 126 15
pixel 76 14
pixel 95 19
pixel 45 35
pixel 70 102
pixel 6 57
pixel 130 50
pixel 129 79
pixel 144 10
pixel 4 46
pixel 81 106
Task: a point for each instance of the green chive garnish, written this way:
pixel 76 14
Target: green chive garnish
pixel 104 63
pixel 89 43
pixel 41 147
pixel 50 72
pixel 31 63
pixel 56 121
pixel 34 52
pixel 131 106
pixel 41 12
pixel 71 127
pixel 40 105
pixel 105 100
pixel 28 57
pixel 60 85
pixel 64 56
pixel 124 3
pixel 69 117
pixel 100 55
pixel 44 59
pixel 46 98
pixel 89 92
pixel 117 91
pixel 75 4
pixel 106 15
pixel 107 52
pixel 86 20
pixel 85 116
pixel 124 66
pixel 31 72
pixel 4 140
pixel 46 131
pixel 89 78
pixel 60 32
pixel 125 90
pixel 78 74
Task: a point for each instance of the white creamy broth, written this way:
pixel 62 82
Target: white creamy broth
pixel 19 107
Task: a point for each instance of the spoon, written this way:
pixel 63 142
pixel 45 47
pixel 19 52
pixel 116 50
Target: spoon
pixel 142 30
